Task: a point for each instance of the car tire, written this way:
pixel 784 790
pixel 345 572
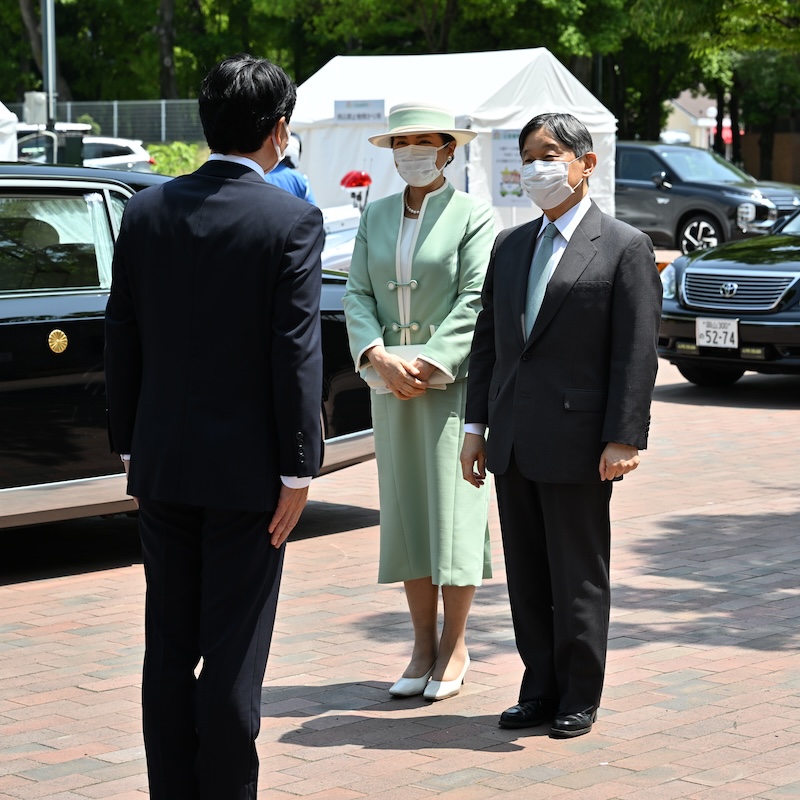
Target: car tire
pixel 699 232
pixel 703 375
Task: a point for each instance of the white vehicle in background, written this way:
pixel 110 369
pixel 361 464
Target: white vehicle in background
pixel 70 143
pixel 128 154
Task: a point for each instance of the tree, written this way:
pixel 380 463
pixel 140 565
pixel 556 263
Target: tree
pixel 770 93
pixel 33 29
pixel 166 49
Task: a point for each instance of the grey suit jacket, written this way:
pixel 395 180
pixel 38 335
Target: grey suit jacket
pixel 585 375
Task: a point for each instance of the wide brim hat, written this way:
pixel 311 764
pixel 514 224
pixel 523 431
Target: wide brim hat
pixel 409 119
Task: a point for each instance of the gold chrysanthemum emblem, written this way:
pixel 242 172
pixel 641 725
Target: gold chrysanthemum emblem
pixel 57 341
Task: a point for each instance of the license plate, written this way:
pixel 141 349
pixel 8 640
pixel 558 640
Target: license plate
pixel 717 332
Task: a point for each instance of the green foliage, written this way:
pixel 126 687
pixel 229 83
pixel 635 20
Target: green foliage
pixel 18 73
pixel 770 83
pixel 88 119
pixel 713 25
pixel 106 48
pixel 177 158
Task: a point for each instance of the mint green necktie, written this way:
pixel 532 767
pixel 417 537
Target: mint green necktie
pixel 538 277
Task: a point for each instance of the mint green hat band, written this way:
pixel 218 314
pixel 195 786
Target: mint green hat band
pixel 416 118
pixel 429 118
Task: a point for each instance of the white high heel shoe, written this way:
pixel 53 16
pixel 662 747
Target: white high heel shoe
pixel 441 690
pixel 411 687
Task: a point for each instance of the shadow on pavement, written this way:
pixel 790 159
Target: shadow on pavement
pixel 750 391
pixel 69 548
pixel 727 580
pixel 320 519
pixel 428 730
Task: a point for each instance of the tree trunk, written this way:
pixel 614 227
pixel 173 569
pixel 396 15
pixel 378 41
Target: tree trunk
pixel 653 105
pixel 719 142
pixel 30 19
pixel 165 30
pixel 581 68
pixel 766 144
pixel 736 144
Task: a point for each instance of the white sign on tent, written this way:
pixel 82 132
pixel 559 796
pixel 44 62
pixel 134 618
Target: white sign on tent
pixel 359 111
pixel 506 188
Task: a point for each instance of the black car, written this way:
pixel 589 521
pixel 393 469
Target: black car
pixel 687 199
pixel 734 308
pixel 57 232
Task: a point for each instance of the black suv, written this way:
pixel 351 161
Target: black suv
pixel 686 199
pixel 734 308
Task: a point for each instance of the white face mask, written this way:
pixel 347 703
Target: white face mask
pixel 416 163
pixel 276 143
pixel 547 182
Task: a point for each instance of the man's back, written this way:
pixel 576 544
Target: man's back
pixel 220 267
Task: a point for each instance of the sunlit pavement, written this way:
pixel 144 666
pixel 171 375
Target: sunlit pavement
pixel 702 695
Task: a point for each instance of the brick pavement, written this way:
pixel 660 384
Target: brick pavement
pixel 702 696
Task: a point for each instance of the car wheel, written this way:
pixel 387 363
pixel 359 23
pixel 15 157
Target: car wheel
pixel 699 232
pixel 702 375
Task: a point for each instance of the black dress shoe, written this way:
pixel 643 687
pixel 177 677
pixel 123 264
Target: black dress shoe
pixel 528 713
pixel 565 726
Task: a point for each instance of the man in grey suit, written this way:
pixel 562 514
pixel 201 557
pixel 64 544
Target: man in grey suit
pixel 562 371
pixel 214 381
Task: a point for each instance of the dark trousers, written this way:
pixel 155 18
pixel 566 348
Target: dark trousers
pixel 556 539
pixel 212 589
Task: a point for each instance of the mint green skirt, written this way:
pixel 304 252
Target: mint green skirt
pixel 433 523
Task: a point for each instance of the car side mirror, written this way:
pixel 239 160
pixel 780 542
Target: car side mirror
pixel 661 179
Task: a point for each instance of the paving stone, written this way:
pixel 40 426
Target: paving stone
pixel 702 698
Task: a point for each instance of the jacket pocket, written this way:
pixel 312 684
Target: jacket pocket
pixel 598 287
pixel 592 400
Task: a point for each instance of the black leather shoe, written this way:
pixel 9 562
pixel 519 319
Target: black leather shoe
pixel 565 726
pixel 527 714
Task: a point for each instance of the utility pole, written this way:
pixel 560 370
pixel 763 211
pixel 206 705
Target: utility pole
pixel 49 58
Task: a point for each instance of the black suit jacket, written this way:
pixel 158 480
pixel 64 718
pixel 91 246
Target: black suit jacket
pixel 585 375
pixel 213 351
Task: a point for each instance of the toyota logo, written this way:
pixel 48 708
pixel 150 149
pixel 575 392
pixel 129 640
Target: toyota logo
pixel 729 289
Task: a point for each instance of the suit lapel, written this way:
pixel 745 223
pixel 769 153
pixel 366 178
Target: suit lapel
pixel 576 258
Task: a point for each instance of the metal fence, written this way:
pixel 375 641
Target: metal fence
pixel 148 120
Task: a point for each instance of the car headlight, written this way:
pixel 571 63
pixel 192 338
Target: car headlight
pixel 668 277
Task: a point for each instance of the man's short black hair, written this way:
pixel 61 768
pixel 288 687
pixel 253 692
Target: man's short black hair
pixel 241 100
pixel 568 130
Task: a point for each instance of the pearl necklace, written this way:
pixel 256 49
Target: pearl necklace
pixel 408 207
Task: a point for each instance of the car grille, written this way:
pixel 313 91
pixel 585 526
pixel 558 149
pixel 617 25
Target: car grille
pixel 736 291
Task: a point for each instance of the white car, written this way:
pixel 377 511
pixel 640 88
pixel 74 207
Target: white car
pixel 129 154
pixel 63 145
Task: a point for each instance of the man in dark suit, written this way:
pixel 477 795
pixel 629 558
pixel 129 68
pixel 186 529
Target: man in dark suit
pixel 562 371
pixel 214 380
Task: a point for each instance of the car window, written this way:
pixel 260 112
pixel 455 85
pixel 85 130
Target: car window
pixel 692 164
pixel 637 165
pixel 54 241
pixel 792 226
pixel 35 147
pixel 105 150
pixel 118 203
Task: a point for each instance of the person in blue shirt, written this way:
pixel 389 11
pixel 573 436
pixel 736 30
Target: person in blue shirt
pixel 288 177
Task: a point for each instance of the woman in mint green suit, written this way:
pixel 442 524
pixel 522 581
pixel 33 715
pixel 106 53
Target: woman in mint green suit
pixel 418 267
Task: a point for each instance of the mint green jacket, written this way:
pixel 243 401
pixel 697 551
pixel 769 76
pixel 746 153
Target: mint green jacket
pixel 450 257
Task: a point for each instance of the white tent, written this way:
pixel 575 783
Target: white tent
pixel 8 134
pixel 491 91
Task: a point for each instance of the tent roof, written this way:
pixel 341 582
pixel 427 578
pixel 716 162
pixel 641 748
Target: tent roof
pixel 486 87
